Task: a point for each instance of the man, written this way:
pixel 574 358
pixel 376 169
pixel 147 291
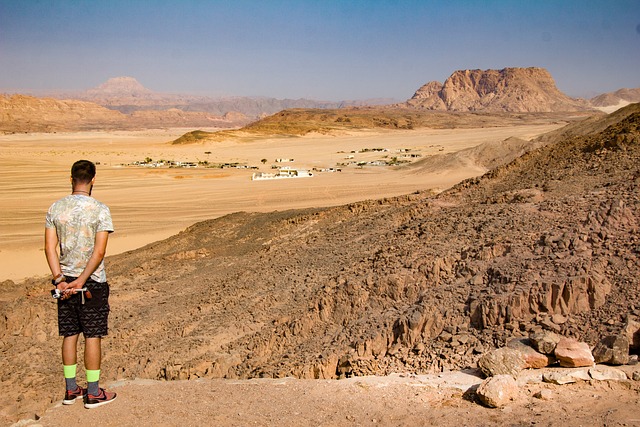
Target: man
pixel 79 226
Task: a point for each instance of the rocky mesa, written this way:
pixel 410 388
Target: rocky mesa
pixel 510 89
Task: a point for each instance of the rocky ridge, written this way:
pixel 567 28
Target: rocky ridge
pixel 21 113
pixel 300 122
pixel 421 283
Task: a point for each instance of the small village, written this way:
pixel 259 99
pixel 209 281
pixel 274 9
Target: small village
pixel 404 155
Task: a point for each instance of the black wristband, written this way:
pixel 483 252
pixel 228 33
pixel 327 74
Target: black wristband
pixel 58 280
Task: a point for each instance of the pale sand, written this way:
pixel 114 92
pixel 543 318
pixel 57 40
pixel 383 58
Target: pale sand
pixel 152 204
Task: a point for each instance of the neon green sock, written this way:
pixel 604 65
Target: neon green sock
pixel 93 376
pixel 69 371
pixel 70 376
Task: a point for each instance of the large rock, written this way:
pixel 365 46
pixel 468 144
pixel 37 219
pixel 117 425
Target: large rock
pixel 573 354
pixel 532 358
pixel 545 341
pixel 566 376
pixel 503 361
pixel 632 331
pixel 612 350
pixel 607 373
pixel 498 391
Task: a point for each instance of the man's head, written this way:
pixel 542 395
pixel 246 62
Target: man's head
pixel 82 172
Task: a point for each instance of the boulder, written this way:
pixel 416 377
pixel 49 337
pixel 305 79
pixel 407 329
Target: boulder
pixel 532 358
pixel 612 350
pixel 503 361
pixel 566 376
pixel 573 354
pixel 498 391
pixel 606 373
pixel 632 331
pixel 544 341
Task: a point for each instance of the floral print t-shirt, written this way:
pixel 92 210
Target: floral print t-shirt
pixel 77 219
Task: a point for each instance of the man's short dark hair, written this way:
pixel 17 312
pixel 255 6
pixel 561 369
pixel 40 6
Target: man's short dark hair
pixel 83 171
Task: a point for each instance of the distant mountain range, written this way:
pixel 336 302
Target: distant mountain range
pixel 124 103
pixel 126 95
pixel 508 90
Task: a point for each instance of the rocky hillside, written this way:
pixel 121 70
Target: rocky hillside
pixel 19 113
pixel 509 89
pixel 616 99
pixel 419 283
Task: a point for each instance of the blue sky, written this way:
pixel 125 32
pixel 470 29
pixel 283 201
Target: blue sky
pixel 321 49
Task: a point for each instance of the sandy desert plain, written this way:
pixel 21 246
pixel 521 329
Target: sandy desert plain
pixel 150 204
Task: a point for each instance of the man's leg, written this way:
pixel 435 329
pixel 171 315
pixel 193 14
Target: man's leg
pixel 95 317
pixel 92 361
pixel 69 362
pixel 69 350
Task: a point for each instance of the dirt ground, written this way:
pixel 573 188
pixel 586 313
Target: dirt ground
pixel 34 171
pixel 444 399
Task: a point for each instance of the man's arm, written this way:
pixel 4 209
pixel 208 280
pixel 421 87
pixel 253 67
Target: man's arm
pixel 51 251
pixel 99 251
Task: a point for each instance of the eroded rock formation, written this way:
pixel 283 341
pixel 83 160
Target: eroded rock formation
pixel 510 89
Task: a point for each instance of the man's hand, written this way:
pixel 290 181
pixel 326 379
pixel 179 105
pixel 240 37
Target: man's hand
pixel 68 289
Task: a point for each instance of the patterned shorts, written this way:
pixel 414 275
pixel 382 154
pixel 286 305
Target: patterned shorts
pixel 90 318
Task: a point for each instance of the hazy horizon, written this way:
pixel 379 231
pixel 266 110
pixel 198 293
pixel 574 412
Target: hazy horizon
pixel 329 50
